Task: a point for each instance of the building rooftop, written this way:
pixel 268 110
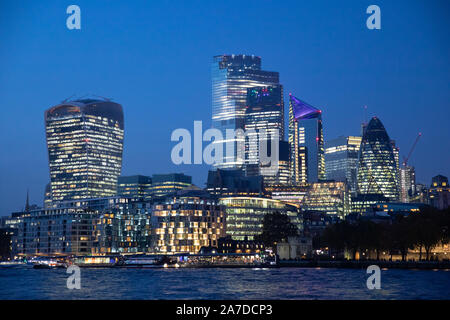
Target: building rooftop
pixel 303 110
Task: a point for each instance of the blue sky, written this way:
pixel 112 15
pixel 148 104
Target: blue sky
pixel 154 58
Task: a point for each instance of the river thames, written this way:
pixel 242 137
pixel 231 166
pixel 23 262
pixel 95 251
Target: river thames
pixel 216 283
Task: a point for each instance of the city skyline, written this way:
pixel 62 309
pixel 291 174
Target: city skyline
pixel 31 158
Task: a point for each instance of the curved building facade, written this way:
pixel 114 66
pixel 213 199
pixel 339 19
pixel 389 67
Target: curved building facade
pixel 232 75
pixel 306 142
pixel 245 215
pixel 85 144
pixel 377 172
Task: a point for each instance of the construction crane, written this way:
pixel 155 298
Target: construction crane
pixel 405 160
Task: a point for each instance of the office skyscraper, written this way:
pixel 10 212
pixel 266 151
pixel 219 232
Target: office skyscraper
pixel 378 169
pixel 407 183
pixel 85 143
pixel 265 113
pixel 232 75
pixel 306 142
pixel 341 160
pixel 396 151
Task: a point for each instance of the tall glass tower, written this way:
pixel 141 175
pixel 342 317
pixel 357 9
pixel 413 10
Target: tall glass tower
pixel 264 111
pixel 85 143
pixel 341 160
pixel 407 182
pixel 232 75
pixel 378 169
pixel 306 141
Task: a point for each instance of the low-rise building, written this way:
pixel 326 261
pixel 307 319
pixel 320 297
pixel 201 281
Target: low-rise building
pixel 137 186
pixel 186 222
pixel 289 194
pixel 85 227
pixel 245 215
pixel 230 245
pixel 295 248
pixel 165 184
pixel 440 192
pixel 234 183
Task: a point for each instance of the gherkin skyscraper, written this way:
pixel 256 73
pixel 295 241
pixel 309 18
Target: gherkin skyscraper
pixel 377 172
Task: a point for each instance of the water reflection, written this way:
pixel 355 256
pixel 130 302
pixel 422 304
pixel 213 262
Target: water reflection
pixel 256 283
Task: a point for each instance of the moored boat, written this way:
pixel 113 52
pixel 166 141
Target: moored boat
pixel 48 263
pixel 95 261
pixel 146 261
pixel 12 263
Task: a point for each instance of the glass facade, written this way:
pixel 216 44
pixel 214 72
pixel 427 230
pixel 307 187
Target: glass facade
pixel 329 197
pixel 86 227
pixel 232 75
pixel 363 203
pixel 407 183
pixel 47 195
pixel 124 228
pixel 67 231
pixel 223 182
pixel 289 194
pixel 306 142
pixel 378 165
pixel 341 160
pixel 265 111
pixel 134 186
pixel 281 174
pixel 85 143
pixel 245 215
pixel 185 223
pixel 164 184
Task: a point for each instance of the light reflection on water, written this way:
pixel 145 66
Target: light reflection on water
pixel 257 283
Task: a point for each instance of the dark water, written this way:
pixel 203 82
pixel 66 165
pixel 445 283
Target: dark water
pixel 284 283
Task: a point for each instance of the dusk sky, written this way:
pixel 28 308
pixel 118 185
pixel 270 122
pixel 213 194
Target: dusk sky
pixel 154 58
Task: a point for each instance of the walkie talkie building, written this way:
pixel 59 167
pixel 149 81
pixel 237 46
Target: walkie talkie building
pixel 85 143
pixel 378 169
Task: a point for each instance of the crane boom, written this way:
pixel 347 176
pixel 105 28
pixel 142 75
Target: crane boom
pixel 405 160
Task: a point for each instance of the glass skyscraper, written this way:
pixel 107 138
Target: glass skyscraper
pixel 265 112
pixel 341 160
pixel 378 169
pixel 85 143
pixel 306 142
pixel 407 183
pixel 232 75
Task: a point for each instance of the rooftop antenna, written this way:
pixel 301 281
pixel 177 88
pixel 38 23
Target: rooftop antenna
pixel 27 204
pixel 365 114
pixel 364 124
